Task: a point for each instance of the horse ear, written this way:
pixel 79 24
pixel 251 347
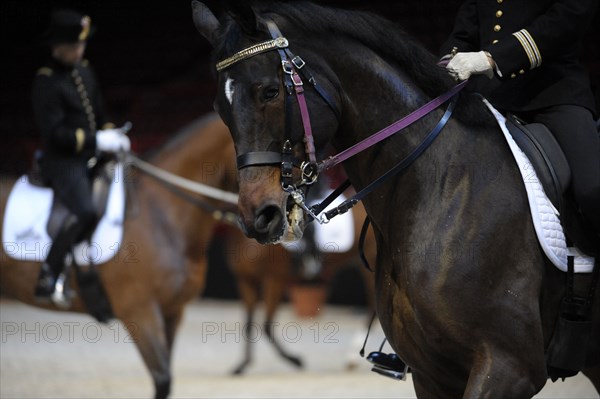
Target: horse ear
pixel 244 15
pixel 205 21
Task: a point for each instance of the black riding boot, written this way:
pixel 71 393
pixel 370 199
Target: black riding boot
pixel 45 283
pixel 55 261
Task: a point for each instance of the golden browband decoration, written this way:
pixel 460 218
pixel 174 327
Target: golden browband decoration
pixel 277 43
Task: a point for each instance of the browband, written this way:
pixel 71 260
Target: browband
pixel 273 44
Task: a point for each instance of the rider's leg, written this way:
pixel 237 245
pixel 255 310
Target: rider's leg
pixel 74 190
pixel 576 132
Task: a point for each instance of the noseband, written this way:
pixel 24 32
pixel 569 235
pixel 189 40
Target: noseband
pixel 292 66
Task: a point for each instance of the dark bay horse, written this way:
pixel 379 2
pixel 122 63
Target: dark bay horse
pixel 465 294
pixel 162 263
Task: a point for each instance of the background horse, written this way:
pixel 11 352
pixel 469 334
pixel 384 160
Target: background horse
pixel 465 294
pixel 162 262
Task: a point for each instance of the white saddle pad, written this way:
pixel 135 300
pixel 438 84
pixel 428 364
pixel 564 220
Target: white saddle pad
pixel 545 216
pixel 335 236
pixel 24 235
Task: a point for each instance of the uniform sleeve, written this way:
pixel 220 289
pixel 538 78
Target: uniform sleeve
pixel 465 35
pixel 556 31
pixel 49 114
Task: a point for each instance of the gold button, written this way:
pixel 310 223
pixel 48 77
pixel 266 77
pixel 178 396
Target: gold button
pixel 497 28
pixel 499 1
pixel 512 75
pixel 499 13
pixel 495 41
pixel 521 72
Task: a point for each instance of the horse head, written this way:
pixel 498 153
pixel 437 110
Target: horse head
pixel 267 98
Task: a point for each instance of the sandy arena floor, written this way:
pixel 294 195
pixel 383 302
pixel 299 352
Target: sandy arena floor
pixel 47 354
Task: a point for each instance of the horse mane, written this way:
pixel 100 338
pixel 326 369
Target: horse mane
pixel 382 35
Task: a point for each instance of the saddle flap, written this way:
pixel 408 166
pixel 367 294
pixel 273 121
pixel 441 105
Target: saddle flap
pixel 545 154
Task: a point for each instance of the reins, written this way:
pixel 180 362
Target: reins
pixel 345 206
pixel 183 187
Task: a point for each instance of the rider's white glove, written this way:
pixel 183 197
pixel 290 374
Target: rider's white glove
pixel 463 65
pixel 112 140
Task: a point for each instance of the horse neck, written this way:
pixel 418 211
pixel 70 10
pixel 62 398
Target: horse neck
pixel 386 96
pixel 204 155
pixel 201 157
pixel 382 96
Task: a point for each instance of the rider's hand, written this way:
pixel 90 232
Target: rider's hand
pixel 463 65
pixel 112 140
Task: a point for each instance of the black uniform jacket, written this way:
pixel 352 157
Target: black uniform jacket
pixel 536 46
pixel 68 110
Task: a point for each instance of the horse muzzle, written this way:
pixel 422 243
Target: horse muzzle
pixel 272 224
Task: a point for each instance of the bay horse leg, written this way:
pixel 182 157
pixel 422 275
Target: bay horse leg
pixel 594 375
pixel 274 286
pixel 147 328
pixel 249 292
pixel 491 376
pixel 171 325
pixel 505 376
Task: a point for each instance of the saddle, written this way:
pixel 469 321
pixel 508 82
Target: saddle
pixel 566 352
pixel 554 174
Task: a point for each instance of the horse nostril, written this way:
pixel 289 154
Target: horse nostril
pixel 269 220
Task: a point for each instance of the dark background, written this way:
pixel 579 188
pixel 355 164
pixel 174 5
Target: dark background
pixel 154 71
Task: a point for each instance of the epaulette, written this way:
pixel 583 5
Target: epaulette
pixel 45 71
pixel 85 63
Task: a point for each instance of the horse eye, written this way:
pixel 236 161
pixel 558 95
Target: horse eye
pixel 270 93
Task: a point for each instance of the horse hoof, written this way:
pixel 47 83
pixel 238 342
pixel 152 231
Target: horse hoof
pixel 296 362
pixel 61 300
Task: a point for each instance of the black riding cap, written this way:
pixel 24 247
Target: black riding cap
pixel 68 26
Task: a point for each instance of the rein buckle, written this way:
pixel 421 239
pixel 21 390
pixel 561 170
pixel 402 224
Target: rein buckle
pixel 287 67
pixel 298 198
pixel 298 62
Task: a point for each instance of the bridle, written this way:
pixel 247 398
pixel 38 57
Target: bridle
pixel 293 66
